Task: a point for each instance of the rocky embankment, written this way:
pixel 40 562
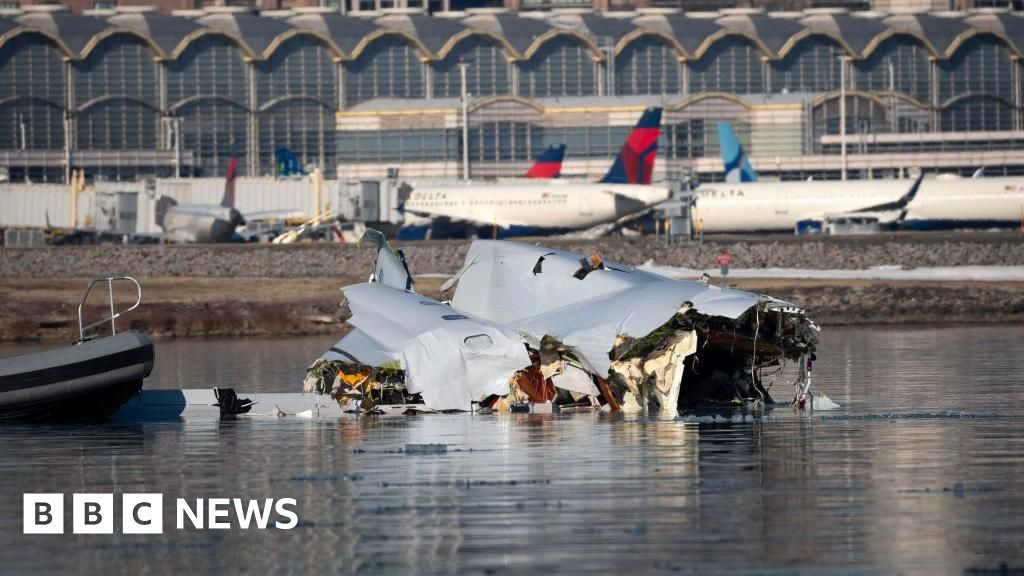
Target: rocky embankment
pixel 276 290
pixel 322 260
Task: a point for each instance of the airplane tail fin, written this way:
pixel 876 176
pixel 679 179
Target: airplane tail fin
pixel 549 163
pixel 737 165
pixel 635 162
pixel 229 185
pixel 287 163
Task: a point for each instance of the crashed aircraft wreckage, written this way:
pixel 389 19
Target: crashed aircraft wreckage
pixel 533 325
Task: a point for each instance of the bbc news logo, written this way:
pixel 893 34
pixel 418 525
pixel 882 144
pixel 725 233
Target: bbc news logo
pixel 144 513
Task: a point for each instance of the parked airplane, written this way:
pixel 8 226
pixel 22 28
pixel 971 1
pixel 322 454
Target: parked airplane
pixel 936 203
pixel 556 206
pixel 203 223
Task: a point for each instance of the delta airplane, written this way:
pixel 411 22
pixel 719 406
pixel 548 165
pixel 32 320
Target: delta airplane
pixel 552 207
pixel 745 204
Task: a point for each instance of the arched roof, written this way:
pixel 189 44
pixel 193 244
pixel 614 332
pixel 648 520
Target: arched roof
pixel 521 33
pixel 167 32
pixel 690 35
pixel 432 33
pixel 879 98
pixel 770 32
pixel 938 33
pixel 854 32
pixel 257 32
pixel 345 32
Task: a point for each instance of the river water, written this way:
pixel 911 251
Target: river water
pixel 921 471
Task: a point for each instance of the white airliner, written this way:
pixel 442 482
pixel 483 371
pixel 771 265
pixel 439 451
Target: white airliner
pixel 551 206
pixel 941 202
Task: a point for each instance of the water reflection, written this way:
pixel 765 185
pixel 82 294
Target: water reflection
pixel 574 493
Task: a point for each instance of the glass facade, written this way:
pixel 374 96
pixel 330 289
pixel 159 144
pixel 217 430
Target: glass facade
pixel 414 145
pixel 563 66
pixel 813 65
pixel 488 70
pixel 898 64
pixel 732 64
pixel 648 65
pixel 207 88
pixel 297 91
pixel 117 96
pixel 981 65
pixel 390 67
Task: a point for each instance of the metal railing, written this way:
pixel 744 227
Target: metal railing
pixel 113 315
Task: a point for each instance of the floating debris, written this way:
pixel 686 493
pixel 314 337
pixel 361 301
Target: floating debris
pixel 422 449
pixel 534 329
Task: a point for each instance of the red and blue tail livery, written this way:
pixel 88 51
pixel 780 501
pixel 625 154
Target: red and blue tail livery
pixel 548 164
pixel 635 162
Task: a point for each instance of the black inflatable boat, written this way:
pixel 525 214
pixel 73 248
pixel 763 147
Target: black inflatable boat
pixel 87 381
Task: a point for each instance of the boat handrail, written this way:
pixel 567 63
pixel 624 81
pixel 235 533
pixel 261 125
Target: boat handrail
pixel 113 315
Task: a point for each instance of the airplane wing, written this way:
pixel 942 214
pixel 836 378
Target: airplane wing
pixel 502 223
pixel 887 212
pixel 273 215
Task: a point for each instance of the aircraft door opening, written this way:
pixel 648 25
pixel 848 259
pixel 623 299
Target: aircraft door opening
pixel 584 204
pixel 782 200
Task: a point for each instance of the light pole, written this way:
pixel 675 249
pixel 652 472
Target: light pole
pixel 465 122
pixel 843 61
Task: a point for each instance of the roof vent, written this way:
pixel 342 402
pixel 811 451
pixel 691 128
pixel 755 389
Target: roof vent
pixel 897 10
pixel 315 10
pixel 136 9
pixel 191 14
pixel 826 11
pixel 869 14
pixel 653 10
pixel 227 9
pixel 742 11
pixel 277 14
pixel 451 14
pixel 404 11
pixel 475 11
pixel 44 8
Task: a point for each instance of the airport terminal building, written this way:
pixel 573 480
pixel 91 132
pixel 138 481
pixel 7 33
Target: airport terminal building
pixel 131 93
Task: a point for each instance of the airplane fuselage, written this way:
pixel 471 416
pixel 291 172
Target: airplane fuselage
pixel 778 206
pixel 200 223
pixel 554 205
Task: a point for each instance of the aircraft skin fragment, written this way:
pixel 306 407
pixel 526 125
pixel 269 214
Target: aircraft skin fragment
pixel 532 324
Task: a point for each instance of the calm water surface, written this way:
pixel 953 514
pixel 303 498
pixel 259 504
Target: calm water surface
pixel 919 472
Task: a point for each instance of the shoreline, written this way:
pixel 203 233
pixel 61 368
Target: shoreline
pixel 45 309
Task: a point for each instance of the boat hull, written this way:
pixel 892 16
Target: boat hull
pixel 86 382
